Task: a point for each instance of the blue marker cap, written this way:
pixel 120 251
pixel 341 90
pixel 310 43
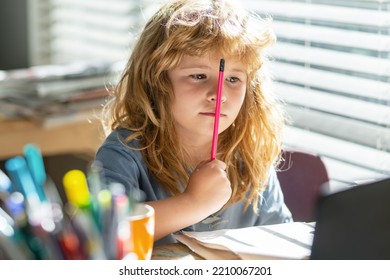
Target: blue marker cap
pixel 20 175
pixel 36 166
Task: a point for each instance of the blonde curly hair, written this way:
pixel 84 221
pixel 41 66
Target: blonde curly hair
pixel 142 99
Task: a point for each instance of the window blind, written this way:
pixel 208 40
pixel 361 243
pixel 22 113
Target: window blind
pixel 38 31
pixel 95 29
pixel 332 69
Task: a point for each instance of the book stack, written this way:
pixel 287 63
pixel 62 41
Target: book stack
pixel 52 94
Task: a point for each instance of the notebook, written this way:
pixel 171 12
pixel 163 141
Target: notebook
pixel 354 223
pixel 278 241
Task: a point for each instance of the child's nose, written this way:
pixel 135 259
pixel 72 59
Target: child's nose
pixel 214 98
pixel 213 92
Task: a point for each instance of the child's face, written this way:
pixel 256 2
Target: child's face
pixel 194 83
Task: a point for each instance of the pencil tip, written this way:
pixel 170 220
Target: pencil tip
pixel 221 65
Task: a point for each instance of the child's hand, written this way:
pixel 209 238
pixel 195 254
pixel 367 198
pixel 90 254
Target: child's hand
pixel 209 186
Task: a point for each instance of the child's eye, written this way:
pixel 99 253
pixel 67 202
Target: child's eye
pixel 198 76
pixel 233 79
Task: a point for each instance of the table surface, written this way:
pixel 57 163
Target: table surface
pixel 174 251
pixel 79 136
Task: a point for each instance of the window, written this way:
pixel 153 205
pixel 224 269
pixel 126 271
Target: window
pixel 96 28
pixel 332 67
pixel 72 30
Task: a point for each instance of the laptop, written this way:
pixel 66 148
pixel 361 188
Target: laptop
pixel 354 224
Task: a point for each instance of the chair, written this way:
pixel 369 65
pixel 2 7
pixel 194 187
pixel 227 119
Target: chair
pixel 301 175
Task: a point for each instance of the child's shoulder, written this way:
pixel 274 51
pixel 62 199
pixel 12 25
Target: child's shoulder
pixel 118 134
pixel 119 137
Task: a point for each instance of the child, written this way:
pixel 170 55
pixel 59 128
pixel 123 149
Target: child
pixel 162 115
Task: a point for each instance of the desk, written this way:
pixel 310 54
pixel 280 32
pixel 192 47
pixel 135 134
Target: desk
pixel 174 251
pixel 81 136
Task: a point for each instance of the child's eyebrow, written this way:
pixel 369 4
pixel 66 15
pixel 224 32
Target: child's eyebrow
pixel 195 67
pixel 236 70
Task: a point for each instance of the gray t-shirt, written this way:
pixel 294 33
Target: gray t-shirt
pixel 126 166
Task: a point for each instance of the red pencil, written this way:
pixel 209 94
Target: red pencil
pixel 217 109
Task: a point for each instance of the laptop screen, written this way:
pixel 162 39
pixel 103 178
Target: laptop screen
pixel 354 223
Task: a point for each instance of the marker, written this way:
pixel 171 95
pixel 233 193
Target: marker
pixel 36 166
pixel 21 177
pixel 9 244
pixel 122 244
pixel 15 205
pixel 24 231
pixel 47 229
pixel 51 192
pixel 116 189
pixel 94 178
pixel 120 209
pixel 70 246
pixel 5 182
pixel 77 191
pixel 78 194
pixel 76 188
pixel 85 215
pixel 106 220
pixel 70 243
pixel 214 142
pixel 104 200
pixel 11 229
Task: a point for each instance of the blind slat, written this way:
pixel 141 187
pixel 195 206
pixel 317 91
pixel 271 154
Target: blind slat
pixel 117 6
pixel 331 81
pixel 92 35
pixel 323 12
pixel 335 104
pixel 333 59
pixel 102 20
pixel 344 151
pixel 346 174
pixel 340 127
pixel 332 36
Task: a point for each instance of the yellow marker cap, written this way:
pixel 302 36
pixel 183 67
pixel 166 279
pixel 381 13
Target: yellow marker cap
pixel 76 188
pixel 104 198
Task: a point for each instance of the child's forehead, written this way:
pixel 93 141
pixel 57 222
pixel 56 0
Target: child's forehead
pixel 209 57
pixel 212 57
pixel 215 56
